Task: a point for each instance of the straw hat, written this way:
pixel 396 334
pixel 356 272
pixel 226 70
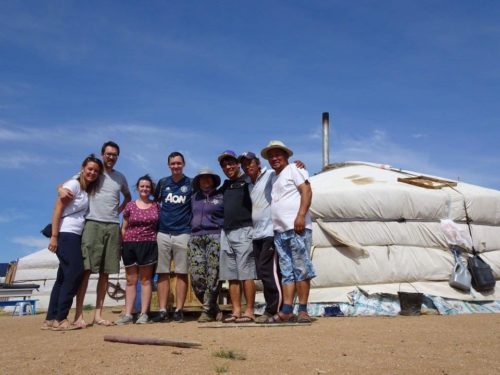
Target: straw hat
pixel 275 144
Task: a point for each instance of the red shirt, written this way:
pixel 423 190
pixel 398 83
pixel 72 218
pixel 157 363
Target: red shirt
pixel 142 223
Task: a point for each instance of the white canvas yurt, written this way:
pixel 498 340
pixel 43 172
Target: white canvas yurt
pixel 40 268
pixel 378 229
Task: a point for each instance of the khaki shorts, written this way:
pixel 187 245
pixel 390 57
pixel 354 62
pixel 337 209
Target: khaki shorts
pixel 101 247
pixel 172 246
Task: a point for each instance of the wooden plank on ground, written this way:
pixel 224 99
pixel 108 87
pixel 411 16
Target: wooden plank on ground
pixel 151 341
pixel 253 325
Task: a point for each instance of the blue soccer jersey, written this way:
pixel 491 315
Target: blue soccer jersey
pixel 175 200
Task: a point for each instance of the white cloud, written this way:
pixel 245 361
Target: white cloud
pixel 143 144
pixel 315 135
pixel 11 135
pixel 9 216
pixel 379 147
pixel 23 134
pixel 139 160
pixel 19 161
pixel 31 242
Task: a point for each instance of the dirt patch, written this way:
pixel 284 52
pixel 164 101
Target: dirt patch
pixel 363 181
pixel 359 180
pixel 425 345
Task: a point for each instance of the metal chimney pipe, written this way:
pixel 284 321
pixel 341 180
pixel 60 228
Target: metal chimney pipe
pixel 326 139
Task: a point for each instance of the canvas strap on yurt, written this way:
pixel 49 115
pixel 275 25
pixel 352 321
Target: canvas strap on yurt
pixel 339 238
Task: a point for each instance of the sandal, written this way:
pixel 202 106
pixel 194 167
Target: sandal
pixel 47 324
pixel 263 318
pixel 231 319
pixel 280 318
pixel 304 317
pixel 64 325
pixel 245 319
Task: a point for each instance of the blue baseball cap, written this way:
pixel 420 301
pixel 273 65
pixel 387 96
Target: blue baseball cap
pixel 228 154
pixel 247 155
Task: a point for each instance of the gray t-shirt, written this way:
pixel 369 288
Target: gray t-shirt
pixel 106 200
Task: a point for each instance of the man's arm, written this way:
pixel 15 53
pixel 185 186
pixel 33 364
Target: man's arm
pixel 305 202
pixel 157 192
pixel 64 194
pixel 123 227
pixel 126 198
pixel 299 164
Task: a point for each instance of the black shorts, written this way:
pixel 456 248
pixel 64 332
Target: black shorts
pixel 139 253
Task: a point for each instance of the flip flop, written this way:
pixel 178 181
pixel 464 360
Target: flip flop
pixel 231 319
pixel 47 324
pixel 280 318
pixel 245 319
pixel 65 325
pixel 103 322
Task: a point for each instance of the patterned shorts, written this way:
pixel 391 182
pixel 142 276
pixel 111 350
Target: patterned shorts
pixel 293 254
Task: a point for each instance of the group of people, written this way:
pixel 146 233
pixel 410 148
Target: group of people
pixel 255 226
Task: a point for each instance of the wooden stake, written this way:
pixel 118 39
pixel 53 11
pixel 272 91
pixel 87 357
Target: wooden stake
pixel 150 341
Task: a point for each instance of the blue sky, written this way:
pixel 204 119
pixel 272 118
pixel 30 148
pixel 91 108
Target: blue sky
pixel 414 84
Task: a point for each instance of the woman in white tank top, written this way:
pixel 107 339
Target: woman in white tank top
pixel 68 219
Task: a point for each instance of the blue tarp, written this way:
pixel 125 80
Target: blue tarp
pixel 3 269
pixel 388 305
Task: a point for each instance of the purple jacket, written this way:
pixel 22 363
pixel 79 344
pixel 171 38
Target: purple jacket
pixel 208 213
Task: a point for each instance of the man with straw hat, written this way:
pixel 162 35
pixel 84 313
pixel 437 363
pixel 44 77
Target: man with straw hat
pixel 260 186
pixel 290 201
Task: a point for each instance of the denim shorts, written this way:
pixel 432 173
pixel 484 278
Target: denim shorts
pixel 293 254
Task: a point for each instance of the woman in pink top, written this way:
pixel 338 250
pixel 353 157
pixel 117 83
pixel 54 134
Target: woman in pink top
pixel 139 249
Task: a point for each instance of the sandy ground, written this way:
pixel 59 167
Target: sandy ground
pixel 467 344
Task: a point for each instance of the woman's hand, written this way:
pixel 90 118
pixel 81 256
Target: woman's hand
pixel 53 244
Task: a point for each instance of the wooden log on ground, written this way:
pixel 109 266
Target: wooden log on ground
pixel 151 341
pixel 253 325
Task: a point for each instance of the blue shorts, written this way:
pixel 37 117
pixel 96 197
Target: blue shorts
pixel 293 254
